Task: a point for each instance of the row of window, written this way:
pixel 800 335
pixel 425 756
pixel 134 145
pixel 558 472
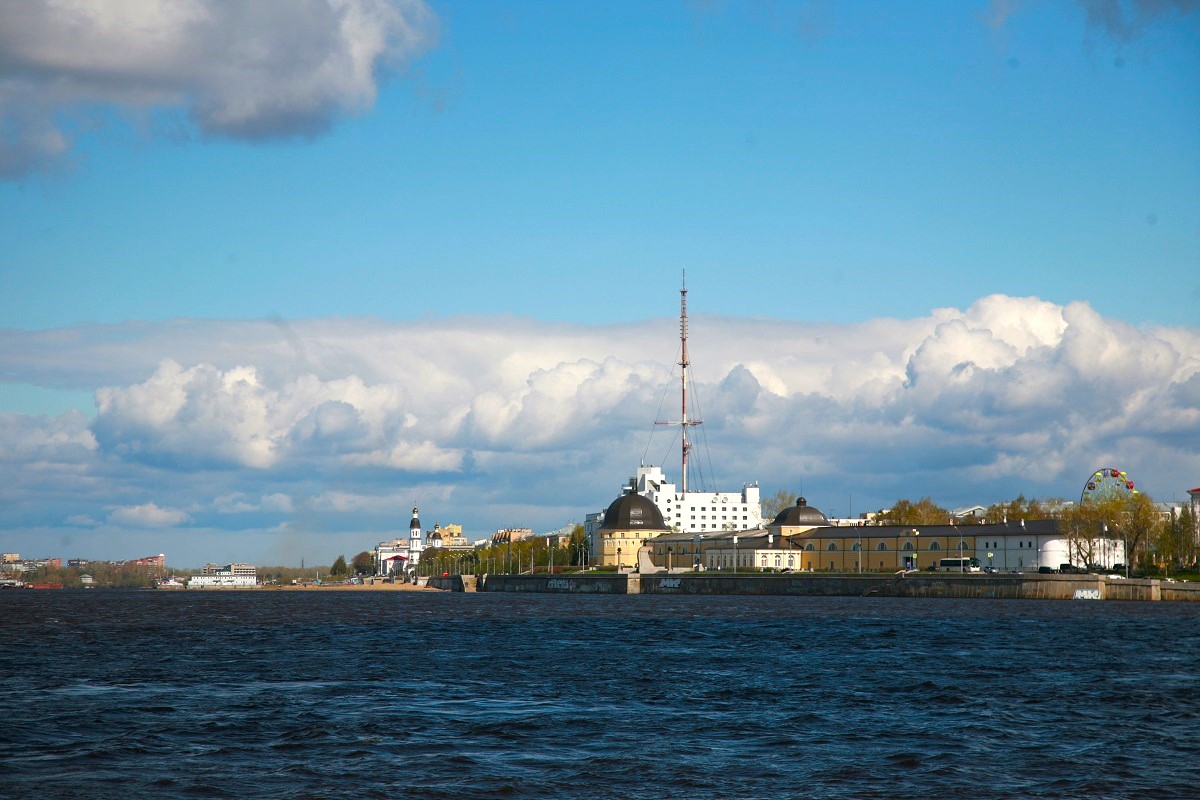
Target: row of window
pixel 996 545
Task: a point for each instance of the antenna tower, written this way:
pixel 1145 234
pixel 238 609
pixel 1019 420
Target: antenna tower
pixel 683 422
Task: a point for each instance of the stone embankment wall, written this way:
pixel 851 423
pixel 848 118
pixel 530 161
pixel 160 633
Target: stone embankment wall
pixel 450 583
pixel 560 584
pixel 1015 587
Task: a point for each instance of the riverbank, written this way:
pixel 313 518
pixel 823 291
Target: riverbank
pixel 378 586
pixel 1024 586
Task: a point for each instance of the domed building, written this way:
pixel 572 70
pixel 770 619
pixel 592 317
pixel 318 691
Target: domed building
pixel 797 518
pixel 629 521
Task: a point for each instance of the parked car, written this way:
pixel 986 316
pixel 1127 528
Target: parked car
pixel 1071 569
pixel 1046 570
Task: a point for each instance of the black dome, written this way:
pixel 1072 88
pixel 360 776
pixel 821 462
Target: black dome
pixel 800 514
pixel 633 512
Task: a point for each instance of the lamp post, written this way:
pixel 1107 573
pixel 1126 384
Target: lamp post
pixel 670 552
pixel 961 549
pixel 618 559
pixel 735 554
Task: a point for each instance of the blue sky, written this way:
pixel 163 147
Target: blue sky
pixel 551 168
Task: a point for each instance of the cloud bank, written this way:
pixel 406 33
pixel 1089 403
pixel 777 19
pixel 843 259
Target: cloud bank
pixel 244 70
pixel 326 426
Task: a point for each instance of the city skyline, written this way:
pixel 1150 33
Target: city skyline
pixel 429 254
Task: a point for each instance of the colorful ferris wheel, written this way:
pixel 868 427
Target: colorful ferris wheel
pixel 1108 483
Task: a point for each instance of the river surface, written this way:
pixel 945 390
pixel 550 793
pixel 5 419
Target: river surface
pixel 113 694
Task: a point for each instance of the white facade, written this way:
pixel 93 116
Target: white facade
pixel 224 581
pixel 694 512
pixel 1029 551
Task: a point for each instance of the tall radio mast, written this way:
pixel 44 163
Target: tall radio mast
pixel 683 422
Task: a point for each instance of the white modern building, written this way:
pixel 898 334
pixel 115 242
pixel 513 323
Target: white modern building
pixel 690 512
pixel 222 581
pixel 230 576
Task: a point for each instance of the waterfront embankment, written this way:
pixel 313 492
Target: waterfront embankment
pixel 1023 586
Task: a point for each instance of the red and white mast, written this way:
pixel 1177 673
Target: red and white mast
pixel 683 422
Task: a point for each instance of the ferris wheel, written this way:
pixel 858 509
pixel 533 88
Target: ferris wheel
pixel 1108 483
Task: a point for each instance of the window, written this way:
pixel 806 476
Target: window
pixel 934 546
pixel 962 546
pixel 832 546
pixel 857 546
pixel 908 545
pixel 791 561
pixel 810 546
pixel 882 546
pixel 778 561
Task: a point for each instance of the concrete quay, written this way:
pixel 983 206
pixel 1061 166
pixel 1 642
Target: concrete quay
pixel 1026 586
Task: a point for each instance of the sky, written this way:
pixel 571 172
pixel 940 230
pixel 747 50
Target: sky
pixel 271 275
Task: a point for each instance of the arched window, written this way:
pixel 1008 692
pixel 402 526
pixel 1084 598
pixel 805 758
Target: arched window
pixel 935 546
pixel 791 561
pixel 832 546
pixel 857 546
pixel 962 545
pixel 908 545
pixel 810 546
pixel 778 561
pixel 882 546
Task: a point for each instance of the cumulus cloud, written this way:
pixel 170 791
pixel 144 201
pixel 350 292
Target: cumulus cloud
pixel 239 503
pixel 481 417
pixel 247 70
pixel 148 515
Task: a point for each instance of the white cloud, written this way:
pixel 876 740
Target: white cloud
pixel 247 70
pixel 477 417
pixel 238 503
pixel 148 515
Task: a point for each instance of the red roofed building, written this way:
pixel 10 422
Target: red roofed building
pixel 159 560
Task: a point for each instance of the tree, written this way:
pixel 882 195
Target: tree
pixel 1186 547
pixel 1017 509
pixel 1141 523
pixel 339 567
pixel 363 563
pixel 777 502
pixel 579 554
pixel 922 512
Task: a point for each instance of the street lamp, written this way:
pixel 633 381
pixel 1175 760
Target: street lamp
pixel 916 546
pixel 670 552
pixel 618 559
pixel 735 554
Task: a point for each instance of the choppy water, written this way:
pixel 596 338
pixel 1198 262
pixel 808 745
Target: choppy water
pixel 390 694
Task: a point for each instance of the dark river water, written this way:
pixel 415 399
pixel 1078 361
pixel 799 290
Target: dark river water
pixel 109 694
